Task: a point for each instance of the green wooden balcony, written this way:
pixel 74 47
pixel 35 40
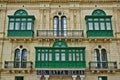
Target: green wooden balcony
pixel 100 33
pixel 13 64
pixel 20 33
pixel 60 33
pixel 102 65
pixel 60 64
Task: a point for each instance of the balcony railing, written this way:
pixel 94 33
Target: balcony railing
pixel 60 33
pixel 13 64
pixel 102 65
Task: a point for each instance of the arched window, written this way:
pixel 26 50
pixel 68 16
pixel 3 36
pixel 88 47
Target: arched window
pixel 100 57
pixel 20 58
pixel 63 25
pixel 56 25
pixel 59 25
pixel 99 24
pixel 20 21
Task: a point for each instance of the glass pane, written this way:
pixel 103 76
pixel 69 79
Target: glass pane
pixel 73 57
pixel 46 56
pixel 29 19
pixel 101 19
pixel 57 56
pixel 81 57
pixel 107 19
pixel 108 26
pixel 29 26
pixel 50 57
pixel 24 55
pixel 11 26
pixel 90 19
pixel 77 56
pixel 70 57
pixel 17 19
pixel 95 19
pixel 96 25
pixel 11 19
pixel 23 19
pixel 102 25
pixel 63 56
pixel 38 56
pixel 23 26
pixel 17 26
pixel 42 57
pixel 90 24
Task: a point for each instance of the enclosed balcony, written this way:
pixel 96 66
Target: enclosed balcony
pixel 60 33
pixel 103 66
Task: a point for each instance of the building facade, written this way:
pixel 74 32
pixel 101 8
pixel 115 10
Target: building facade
pixel 59 39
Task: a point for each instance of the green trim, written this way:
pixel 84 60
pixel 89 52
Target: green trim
pixel 99 24
pixel 21 24
pixel 98 12
pixel 60 56
pixel 20 33
pixel 20 12
pixel 100 33
pixel 60 44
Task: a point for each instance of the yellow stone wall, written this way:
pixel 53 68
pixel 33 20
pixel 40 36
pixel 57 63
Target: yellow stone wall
pixel 44 13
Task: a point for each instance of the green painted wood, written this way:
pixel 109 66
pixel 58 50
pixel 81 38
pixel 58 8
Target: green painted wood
pixel 74 56
pixel 20 33
pixel 100 33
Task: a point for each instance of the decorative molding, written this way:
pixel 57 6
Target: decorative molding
pixel 56 1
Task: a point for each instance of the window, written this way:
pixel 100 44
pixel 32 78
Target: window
pixel 99 24
pixel 100 56
pixel 59 25
pixel 19 78
pixel 102 78
pixel 20 58
pixel 20 21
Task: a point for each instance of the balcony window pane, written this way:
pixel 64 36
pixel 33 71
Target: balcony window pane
pixel 38 56
pixel 29 26
pixel 17 19
pixel 108 26
pixel 57 56
pixel 50 56
pixel 81 57
pixel 90 24
pixel 23 26
pixel 23 19
pixel 70 57
pixel 95 19
pixel 101 19
pixel 11 27
pixel 77 56
pixel 96 25
pixel 42 57
pixel 73 57
pixel 17 26
pixel 11 19
pixel 102 25
pixel 29 19
pixel 63 56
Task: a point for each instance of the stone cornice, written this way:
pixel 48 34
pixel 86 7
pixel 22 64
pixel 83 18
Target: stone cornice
pixel 56 1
